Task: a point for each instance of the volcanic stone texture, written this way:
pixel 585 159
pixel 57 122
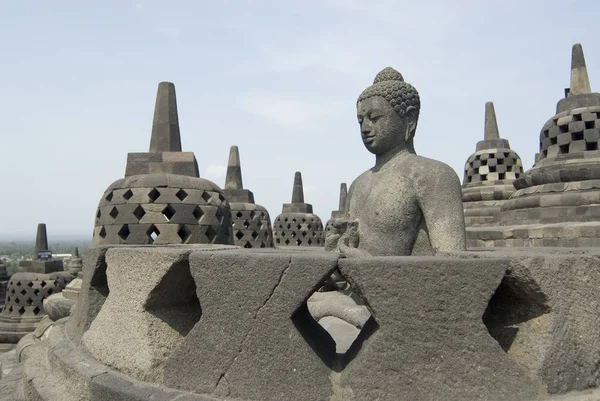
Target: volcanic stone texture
pixel 163 209
pixel 264 344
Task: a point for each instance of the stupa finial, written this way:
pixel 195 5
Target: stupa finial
pixel 165 125
pixel 343 195
pixel 298 193
pixel 41 240
pixel 580 81
pixel 491 125
pixel 234 170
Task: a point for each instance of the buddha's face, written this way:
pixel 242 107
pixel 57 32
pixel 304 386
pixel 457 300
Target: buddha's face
pixel 382 129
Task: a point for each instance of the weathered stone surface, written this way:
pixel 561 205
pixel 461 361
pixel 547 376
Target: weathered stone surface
pixel 246 344
pixel 545 315
pixel 431 342
pixel 94 290
pixel 57 306
pixel 151 306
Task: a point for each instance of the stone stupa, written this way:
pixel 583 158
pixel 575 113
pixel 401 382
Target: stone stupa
pixel 34 281
pixel 251 223
pixel 557 202
pixel 336 214
pixel 489 175
pixel 297 225
pixel 162 200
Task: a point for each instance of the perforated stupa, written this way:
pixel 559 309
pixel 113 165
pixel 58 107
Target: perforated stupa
pixel 162 200
pixel 251 223
pixel 489 175
pixel 297 225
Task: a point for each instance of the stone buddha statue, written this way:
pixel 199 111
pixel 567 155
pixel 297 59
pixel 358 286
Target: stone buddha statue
pixel 406 204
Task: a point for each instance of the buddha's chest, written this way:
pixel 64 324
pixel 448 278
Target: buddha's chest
pixel 385 202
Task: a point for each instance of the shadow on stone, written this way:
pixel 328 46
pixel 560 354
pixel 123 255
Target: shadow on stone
pixel 174 299
pixel 513 303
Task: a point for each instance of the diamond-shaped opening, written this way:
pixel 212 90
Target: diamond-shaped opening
pixel 247 244
pixel 299 226
pixel 181 195
pixel 30 284
pixel 114 213
pixel 221 198
pixel 36 291
pixel 23 292
pixel 17 301
pixel 184 233
pixel 239 214
pixel 174 301
pixel 98 213
pixel 335 333
pixel 128 194
pixel 153 233
pixel 124 232
pixel 154 194
pixel 206 196
pixel 36 310
pixel 29 301
pixel 298 242
pixel 287 241
pixel 239 235
pixel 254 234
pixel 102 233
pixel 514 309
pixel 109 196
pixel 168 212
pixel 198 213
pixel 211 233
pixel 139 212
pixel 246 223
pixel 22 310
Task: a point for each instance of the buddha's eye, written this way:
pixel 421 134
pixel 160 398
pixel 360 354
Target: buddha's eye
pixel 375 118
pixel 360 120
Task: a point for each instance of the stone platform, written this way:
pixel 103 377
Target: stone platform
pixel 233 324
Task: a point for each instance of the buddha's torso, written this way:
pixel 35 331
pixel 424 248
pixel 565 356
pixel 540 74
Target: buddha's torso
pixel 386 203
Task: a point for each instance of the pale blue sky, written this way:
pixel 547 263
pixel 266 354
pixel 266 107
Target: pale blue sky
pixel 277 78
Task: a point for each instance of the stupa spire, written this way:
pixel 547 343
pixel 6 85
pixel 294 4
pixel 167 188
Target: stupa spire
pixel 298 193
pixel 234 170
pixel 41 239
pixel 580 82
pixel 491 125
pixel 343 195
pixel 165 125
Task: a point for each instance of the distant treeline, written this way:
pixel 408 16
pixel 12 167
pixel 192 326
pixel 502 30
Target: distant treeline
pixel 15 251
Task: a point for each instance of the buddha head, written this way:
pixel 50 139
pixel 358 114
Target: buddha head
pixel 388 112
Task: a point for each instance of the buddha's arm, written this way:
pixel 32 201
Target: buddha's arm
pixel 440 199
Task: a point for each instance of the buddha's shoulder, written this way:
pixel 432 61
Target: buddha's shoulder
pixel 429 170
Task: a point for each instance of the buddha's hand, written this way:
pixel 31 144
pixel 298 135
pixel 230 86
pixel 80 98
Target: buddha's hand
pixel 349 241
pixel 335 229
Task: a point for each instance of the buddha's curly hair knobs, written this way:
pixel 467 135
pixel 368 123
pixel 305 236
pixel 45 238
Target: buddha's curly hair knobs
pixel 390 85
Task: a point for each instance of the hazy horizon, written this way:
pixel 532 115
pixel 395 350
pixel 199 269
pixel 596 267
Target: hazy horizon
pixel 280 80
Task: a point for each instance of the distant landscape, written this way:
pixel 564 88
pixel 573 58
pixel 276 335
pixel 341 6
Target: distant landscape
pixel 13 251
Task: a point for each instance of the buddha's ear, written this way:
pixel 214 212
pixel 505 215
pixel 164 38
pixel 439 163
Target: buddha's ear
pixel 412 115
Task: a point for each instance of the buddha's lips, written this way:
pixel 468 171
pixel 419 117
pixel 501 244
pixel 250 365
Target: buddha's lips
pixel 368 138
